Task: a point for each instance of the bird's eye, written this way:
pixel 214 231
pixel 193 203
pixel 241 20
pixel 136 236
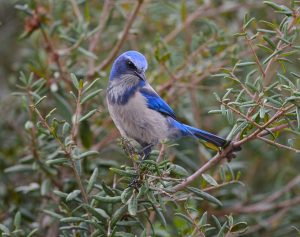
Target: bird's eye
pixel 130 64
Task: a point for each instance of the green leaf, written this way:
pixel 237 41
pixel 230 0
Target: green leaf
pixel 107 199
pixel 72 219
pixel 269 41
pixel 178 170
pixel 298 117
pixel 75 81
pixel 118 215
pixel 71 196
pixel 205 196
pixel 99 213
pixel 33 232
pixel 19 168
pixel 92 180
pixel 184 217
pixel 126 194
pixel 203 219
pixel 17 220
pixel 244 64
pixel 91 85
pixel 88 115
pixel 87 53
pixel 4 229
pixel 57 161
pixel 222 230
pixel 90 96
pixel 129 173
pixel 160 215
pixel 132 205
pixel 85 154
pixel 239 227
pixel 248 22
pixel 209 179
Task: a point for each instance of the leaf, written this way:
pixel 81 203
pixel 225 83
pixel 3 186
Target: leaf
pixel 203 219
pixel 298 117
pixel 91 85
pixel 115 199
pixel 248 22
pixel 160 215
pixel 129 173
pixel 132 205
pixel 209 179
pixel 221 231
pixel 19 168
pixel 72 219
pixel 178 170
pixel 239 227
pixel 99 213
pixel 33 232
pixel 92 180
pixel 75 81
pixel 90 96
pixel 205 196
pixel 184 217
pixel 217 221
pixel 244 64
pixel 17 220
pixel 71 196
pixel 57 161
pixel 85 154
pixel 87 53
pixel 4 229
pixel 88 115
pixel 118 215
pixel 126 194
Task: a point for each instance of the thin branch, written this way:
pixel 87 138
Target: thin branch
pixel 95 39
pixel 229 149
pixel 122 40
pixel 278 144
pixel 76 10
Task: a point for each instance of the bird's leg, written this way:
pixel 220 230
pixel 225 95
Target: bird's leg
pixel 145 152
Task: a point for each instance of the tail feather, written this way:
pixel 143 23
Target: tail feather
pixel 209 137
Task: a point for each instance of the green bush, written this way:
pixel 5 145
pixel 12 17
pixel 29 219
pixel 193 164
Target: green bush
pixel 65 171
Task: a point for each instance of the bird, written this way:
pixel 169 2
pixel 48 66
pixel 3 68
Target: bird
pixel 139 113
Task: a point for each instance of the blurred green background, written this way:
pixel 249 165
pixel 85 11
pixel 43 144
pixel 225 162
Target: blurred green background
pixel 181 61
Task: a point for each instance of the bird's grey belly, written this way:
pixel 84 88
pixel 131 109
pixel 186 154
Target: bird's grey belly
pixel 136 121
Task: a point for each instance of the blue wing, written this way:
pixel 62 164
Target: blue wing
pixel 156 103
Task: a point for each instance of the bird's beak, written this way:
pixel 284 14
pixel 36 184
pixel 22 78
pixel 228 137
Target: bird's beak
pixel 141 75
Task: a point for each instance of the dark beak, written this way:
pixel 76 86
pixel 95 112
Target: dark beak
pixel 141 75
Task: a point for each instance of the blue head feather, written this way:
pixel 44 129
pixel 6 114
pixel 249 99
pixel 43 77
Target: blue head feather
pixel 128 63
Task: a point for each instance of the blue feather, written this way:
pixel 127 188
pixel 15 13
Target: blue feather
pixel 156 103
pixel 186 130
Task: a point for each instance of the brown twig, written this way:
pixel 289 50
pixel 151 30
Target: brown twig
pixel 122 40
pixel 95 39
pixel 34 148
pixel 217 158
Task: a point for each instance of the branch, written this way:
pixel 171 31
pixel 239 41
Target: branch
pixel 121 41
pixel 230 148
pixel 95 39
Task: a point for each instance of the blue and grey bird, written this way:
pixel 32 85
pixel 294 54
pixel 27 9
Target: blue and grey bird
pixel 139 112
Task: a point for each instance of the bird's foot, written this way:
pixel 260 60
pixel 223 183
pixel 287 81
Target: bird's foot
pixel 232 150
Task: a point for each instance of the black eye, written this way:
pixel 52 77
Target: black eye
pixel 130 64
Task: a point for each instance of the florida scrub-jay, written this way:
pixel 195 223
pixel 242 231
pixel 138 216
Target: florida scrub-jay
pixel 139 112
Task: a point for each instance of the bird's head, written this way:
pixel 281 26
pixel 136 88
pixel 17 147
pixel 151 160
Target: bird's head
pixel 130 62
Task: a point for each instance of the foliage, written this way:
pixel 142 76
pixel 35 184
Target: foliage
pixel 66 172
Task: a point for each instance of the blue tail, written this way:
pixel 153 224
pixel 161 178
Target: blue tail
pixel 211 138
pixel 186 130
